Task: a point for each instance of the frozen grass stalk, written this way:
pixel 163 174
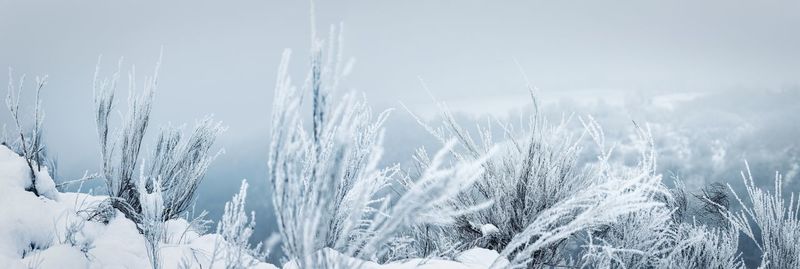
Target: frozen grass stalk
pixel 29 143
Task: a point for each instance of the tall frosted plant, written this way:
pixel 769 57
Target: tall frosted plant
pixel 326 181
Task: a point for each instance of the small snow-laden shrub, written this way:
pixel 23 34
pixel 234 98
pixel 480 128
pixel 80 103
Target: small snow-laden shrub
pixel 179 162
pixel 234 250
pixel 328 189
pixel 771 220
pixel 636 240
pixel 700 246
pixel 658 237
pixel 679 246
pixel 654 239
pixel 639 238
pixel 29 142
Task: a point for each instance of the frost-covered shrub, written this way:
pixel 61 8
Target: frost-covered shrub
pixel 700 246
pixel 29 143
pixel 654 239
pixel 540 196
pixel 328 189
pixel 771 220
pixel 660 237
pixel 178 162
pixel 526 176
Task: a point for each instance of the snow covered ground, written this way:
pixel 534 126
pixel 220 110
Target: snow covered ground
pixel 64 230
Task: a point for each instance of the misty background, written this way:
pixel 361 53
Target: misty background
pixel 717 81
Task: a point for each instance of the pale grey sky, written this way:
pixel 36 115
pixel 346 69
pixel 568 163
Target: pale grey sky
pixel 221 56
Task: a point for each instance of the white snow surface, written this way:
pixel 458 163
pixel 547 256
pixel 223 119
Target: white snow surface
pixel 476 258
pixel 489 229
pixel 52 231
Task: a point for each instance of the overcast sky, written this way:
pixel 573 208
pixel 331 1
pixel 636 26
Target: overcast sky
pixel 221 56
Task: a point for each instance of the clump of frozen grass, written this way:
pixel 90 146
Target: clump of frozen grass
pixel 178 162
pixel 29 142
pixel 327 183
pixel 771 221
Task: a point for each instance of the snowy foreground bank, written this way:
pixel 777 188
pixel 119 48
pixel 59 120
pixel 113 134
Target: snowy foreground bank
pixel 63 230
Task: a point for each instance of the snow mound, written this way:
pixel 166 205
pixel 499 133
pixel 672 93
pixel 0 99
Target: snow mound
pixel 55 230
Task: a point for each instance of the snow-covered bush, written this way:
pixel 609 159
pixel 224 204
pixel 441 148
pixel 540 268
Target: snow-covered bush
pixel 178 162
